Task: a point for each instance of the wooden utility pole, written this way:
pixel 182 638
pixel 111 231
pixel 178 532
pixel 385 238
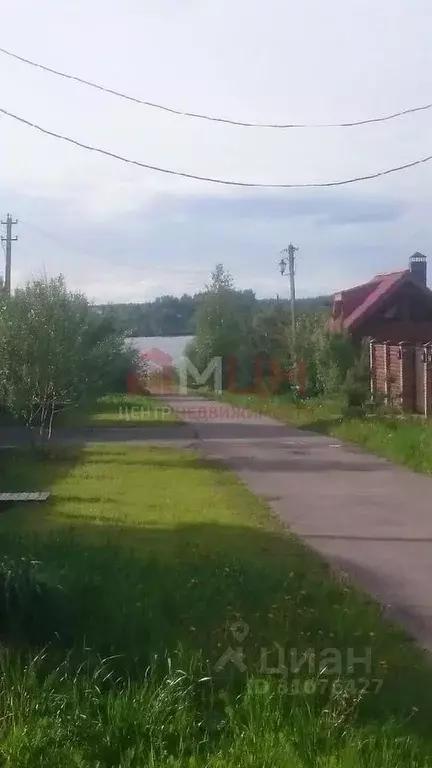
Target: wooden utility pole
pixel 8 239
pixel 291 250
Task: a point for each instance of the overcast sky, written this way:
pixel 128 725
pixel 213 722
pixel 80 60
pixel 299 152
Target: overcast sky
pixel 122 233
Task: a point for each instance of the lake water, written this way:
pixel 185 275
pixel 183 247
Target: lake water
pixel 171 345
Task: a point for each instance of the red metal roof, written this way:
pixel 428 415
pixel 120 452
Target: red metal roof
pixel 354 297
pixel 158 357
pixel 360 301
pixel 384 285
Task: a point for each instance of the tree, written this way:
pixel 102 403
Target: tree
pixel 356 387
pixel 272 345
pixel 257 335
pixel 335 354
pixel 223 328
pixel 55 351
pixel 165 316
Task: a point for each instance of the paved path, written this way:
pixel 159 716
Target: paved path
pixel 369 517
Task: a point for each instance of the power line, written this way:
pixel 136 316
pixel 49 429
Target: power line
pixel 198 116
pixel 183 174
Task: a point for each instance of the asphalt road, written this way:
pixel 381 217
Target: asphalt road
pixel 370 518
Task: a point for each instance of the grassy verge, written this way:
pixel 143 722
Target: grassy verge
pixel 120 411
pixel 142 609
pixel 405 440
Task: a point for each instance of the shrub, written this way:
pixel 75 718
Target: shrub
pixel 356 387
pixel 55 352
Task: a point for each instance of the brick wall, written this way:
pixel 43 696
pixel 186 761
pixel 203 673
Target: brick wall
pixel 402 374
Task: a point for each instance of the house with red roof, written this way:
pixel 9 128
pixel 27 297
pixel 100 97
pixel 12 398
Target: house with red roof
pixel 161 372
pixel 157 359
pixel 392 307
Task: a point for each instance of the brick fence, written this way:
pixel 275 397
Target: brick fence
pixel 402 374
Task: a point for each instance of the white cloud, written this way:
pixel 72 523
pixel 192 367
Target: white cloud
pixel 276 61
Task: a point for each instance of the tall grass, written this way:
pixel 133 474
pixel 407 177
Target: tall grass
pixel 127 590
pixel 88 719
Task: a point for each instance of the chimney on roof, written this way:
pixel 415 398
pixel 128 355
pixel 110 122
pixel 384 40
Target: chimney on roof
pixel 418 267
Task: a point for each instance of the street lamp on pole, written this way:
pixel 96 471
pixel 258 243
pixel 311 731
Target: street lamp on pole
pixel 290 250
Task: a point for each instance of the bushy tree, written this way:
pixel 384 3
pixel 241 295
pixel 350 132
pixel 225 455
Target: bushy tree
pixel 223 327
pixel 356 387
pixel 335 354
pixel 55 351
pixel 272 346
pixel 232 324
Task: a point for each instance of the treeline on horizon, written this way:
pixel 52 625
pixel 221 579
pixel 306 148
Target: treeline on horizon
pixel 176 316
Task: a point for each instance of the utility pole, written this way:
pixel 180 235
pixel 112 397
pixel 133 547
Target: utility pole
pixel 8 239
pixel 291 250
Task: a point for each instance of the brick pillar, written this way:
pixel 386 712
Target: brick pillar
pixel 379 365
pixel 386 349
pixel 407 376
pixel 420 378
pixel 427 379
pixel 372 368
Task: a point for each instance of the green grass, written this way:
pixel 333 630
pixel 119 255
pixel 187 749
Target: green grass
pixel 120 410
pixel 406 440
pixel 116 410
pixel 119 597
